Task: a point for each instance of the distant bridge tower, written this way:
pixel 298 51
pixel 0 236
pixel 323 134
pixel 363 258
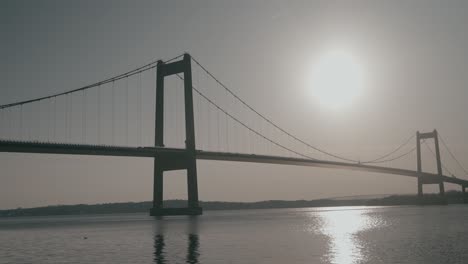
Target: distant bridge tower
pixel 184 160
pixel 424 180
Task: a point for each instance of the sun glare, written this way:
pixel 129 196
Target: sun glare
pixel 337 79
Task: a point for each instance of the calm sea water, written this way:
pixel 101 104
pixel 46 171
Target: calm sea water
pixel 433 234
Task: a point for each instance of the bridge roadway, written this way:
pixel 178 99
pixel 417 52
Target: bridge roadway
pixel 174 153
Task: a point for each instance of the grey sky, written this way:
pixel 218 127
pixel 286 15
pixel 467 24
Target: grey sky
pixel 414 51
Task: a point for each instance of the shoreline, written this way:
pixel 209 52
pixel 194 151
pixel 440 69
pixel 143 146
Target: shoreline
pixel 452 197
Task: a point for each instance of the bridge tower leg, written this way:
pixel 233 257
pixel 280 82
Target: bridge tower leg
pixel 439 163
pixel 424 179
pixel 418 153
pixel 184 160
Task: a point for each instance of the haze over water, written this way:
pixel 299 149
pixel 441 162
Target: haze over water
pixel 433 234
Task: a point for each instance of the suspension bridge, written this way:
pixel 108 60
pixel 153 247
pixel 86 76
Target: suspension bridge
pixel 178 112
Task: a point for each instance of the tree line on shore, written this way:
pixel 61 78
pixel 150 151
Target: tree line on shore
pixel 451 197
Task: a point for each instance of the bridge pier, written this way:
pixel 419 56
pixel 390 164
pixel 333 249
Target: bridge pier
pixel 424 180
pixel 192 208
pixel 185 160
pixel 441 189
pixel 158 187
pixel 420 187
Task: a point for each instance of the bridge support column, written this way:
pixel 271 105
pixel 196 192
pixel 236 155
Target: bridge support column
pixel 420 188
pixel 192 187
pixel 418 153
pixel 439 163
pixel 424 180
pixel 175 161
pixel 158 187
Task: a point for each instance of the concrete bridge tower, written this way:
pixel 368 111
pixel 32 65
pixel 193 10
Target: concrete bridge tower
pixel 184 160
pixel 424 180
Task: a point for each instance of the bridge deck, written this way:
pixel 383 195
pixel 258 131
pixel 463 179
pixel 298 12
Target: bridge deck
pixel 52 148
pixel 324 164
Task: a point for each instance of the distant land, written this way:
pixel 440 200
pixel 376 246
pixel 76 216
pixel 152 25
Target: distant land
pixel 451 197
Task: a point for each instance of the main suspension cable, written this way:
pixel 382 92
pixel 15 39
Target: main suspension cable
pixel 268 120
pixel 452 155
pixel 392 152
pixel 395 158
pixel 146 67
pixel 435 156
pixel 245 125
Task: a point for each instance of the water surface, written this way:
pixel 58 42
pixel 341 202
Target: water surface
pixel 412 234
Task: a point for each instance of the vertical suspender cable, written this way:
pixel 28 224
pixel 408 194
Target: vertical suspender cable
pixel 29 120
pixel 208 119
pixel 42 118
pixel 253 142
pixel 70 119
pixel 200 125
pixel 7 128
pixel 10 122
pixel 249 133
pixel 180 95
pixel 2 125
pixel 139 128
pixel 198 115
pixel 83 117
pixel 67 105
pixel 227 121
pixel 172 109
pixel 227 132
pixel 176 98
pixel 218 126
pixel 65 118
pixel 235 130
pixel 48 114
pixel 21 122
pixel 112 113
pixel 261 142
pixel 99 115
pixel 195 106
pixel 45 116
pixel 54 118
pixel 126 111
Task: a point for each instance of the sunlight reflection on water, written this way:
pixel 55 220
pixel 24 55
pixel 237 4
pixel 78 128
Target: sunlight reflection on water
pixel 341 227
pixel 373 235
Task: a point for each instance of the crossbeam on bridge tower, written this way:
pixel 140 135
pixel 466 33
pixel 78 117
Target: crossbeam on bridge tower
pixel 187 158
pixel 421 178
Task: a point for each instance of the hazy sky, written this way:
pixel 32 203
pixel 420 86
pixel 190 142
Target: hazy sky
pixel 414 53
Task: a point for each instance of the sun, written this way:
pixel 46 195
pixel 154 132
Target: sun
pixel 337 79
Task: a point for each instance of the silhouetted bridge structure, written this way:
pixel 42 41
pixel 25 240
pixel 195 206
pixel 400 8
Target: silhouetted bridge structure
pixel 263 146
